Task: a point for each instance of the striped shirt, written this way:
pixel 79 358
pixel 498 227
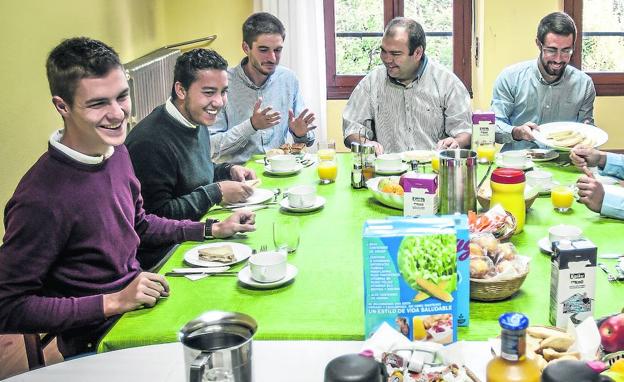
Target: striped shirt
pixel 522 95
pixel 233 139
pixel 434 106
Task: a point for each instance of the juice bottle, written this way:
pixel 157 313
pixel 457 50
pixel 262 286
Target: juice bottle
pixel 512 365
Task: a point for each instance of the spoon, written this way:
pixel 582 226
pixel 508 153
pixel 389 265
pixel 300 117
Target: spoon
pixel 485 177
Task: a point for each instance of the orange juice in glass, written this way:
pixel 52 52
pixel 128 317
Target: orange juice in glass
pixel 562 198
pixel 327 171
pixel 326 150
pixel 435 161
pixel 486 152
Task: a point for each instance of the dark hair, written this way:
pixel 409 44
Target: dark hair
pixel 558 23
pixel 77 58
pixel 188 64
pixel 262 23
pixel 414 30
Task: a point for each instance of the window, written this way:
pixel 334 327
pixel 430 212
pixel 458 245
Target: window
pixel 600 25
pixel 353 31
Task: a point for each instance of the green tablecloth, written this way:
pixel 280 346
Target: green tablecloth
pixel 326 300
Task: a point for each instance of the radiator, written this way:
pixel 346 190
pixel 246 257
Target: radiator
pixel 150 79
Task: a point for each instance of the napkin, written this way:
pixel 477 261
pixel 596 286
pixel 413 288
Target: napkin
pixel 587 337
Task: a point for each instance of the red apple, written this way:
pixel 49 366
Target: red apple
pixel 612 333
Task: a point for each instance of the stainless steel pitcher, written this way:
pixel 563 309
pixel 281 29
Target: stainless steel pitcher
pixel 457 181
pixel 218 340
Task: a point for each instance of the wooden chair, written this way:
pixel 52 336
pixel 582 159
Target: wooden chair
pixel 34 344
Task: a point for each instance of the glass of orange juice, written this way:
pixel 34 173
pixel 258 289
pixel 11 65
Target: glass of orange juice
pixel 562 198
pixel 486 152
pixel 326 150
pixel 435 161
pixel 327 171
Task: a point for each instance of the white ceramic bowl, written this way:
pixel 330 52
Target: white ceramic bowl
pixel 282 162
pixel 515 157
pixel 266 267
pixel 538 178
pixel 564 232
pixel 301 196
pixel 389 162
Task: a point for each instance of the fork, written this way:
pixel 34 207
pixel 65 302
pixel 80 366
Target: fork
pixel 263 248
pixel 610 277
pixel 276 193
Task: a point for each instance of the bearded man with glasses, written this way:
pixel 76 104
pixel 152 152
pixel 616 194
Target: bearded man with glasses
pixel 545 90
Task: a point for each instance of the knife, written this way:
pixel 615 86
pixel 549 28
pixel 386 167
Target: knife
pixel 175 274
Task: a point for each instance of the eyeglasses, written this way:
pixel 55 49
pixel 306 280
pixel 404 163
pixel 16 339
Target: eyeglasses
pixel 552 52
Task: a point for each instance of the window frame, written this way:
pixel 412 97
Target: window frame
pixel 606 83
pixel 341 86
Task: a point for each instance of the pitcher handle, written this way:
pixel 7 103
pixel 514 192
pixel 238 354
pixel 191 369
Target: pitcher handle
pixel 198 365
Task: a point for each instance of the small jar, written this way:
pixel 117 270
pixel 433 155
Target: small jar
pixel 368 161
pixel 508 190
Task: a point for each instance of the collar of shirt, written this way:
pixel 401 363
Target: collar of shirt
pixel 55 141
pixel 543 81
pixel 175 113
pixel 248 82
pixel 419 72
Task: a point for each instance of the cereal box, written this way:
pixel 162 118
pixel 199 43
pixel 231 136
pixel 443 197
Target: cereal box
pixel 410 277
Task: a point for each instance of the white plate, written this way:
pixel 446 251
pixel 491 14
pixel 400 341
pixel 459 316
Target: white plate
pixel 501 163
pixel 544 244
pixel 390 200
pixel 241 252
pixel 597 134
pixel 404 167
pixel 260 195
pixel 548 155
pixel 294 170
pixel 318 203
pixel 244 276
pixel 422 156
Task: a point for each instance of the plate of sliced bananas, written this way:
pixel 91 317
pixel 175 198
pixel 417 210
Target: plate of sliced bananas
pixel 563 136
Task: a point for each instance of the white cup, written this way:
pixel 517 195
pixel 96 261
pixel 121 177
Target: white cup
pixel 267 267
pixel 301 196
pixel 515 158
pixel 389 162
pixel 564 232
pixel 282 163
pixel 538 178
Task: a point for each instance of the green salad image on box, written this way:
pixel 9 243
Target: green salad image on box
pixel 428 265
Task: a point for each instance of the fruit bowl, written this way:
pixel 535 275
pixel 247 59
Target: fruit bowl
pixel 385 198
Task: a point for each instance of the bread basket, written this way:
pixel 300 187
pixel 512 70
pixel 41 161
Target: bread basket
pixel 488 290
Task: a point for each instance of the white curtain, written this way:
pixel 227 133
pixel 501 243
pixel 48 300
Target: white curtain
pixel 304 50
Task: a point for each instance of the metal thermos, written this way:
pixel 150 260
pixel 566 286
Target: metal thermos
pixel 218 340
pixel 457 181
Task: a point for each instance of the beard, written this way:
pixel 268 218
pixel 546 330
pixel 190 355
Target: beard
pixel 547 65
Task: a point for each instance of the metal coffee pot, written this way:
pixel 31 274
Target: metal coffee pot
pixel 457 181
pixel 218 340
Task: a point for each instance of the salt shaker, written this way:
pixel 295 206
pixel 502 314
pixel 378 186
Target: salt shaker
pixel 356 172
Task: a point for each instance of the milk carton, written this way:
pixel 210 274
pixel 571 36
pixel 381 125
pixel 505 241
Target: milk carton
pixel 483 128
pixel 572 281
pixel 410 277
pixel 421 194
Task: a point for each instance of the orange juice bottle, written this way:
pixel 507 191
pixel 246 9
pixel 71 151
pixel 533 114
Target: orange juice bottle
pixel 418 329
pixel 327 171
pixel 512 364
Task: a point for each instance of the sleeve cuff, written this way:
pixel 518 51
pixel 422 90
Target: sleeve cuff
pixel 213 191
pixel 612 205
pixel 614 165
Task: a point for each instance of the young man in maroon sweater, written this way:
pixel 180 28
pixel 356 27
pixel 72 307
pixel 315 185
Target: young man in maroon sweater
pixel 74 223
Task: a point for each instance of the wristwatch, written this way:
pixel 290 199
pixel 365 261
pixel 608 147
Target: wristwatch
pixel 208 228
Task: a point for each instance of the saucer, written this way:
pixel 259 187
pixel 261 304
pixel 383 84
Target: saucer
pixel 544 245
pixel 294 170
pixel 318 203
pixel 244 276
pixel 404 167
pixel 542 155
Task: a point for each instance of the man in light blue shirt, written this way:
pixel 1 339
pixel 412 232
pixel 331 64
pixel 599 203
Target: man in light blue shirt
pixel 265 102
pixel 609 201
pixel 532 93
